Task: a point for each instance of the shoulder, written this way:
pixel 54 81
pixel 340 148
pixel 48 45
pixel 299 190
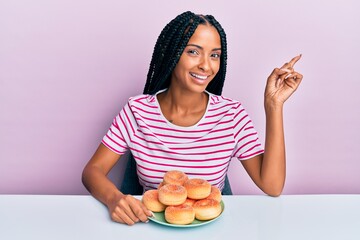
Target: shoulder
pixel 223 102
pixel 142 100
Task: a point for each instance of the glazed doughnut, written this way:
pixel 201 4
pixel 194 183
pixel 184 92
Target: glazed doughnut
pixel 171 194
pixel 175 177
pixel 215 194
pixel 180 214
pixel 207 209
pixel 151 201
pixel 197 188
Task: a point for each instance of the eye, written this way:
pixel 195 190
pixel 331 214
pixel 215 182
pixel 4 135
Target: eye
pixel 215 55
pixel 193 52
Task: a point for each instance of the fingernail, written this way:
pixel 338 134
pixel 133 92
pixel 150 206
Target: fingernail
pixel 285 70
pixel 288 76
pixel 152 214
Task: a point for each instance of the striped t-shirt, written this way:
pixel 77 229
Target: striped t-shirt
pixel 201 151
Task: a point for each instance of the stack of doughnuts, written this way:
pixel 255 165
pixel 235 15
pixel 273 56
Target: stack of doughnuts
pixel 184 199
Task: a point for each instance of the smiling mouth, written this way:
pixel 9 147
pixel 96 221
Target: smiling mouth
pixel 199 76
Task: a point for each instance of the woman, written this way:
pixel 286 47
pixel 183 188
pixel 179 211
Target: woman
pixel 182 121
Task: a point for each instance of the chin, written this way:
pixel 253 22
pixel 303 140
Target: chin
pixel 199 89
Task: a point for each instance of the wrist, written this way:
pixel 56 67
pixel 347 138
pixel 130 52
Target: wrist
pixel 113 197
pixel 273 106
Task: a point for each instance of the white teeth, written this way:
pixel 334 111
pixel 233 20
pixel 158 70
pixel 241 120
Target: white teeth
pixel 198 76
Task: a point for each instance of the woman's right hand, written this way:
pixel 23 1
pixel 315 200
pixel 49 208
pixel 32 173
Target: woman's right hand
pixel 122 208
pixel 127 209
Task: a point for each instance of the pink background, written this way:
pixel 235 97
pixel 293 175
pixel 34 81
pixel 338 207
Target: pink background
pixel 67 68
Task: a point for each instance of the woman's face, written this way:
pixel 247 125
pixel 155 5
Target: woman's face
pixel 200 60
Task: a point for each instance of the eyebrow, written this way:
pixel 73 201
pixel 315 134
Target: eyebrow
pixel 200 47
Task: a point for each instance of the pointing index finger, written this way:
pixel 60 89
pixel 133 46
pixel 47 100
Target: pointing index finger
pixel 294 60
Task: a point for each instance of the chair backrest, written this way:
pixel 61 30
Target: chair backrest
pixel 131 185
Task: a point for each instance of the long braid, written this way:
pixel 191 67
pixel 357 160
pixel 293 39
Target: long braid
pixel 165 48
pixel 170 45
pixel 177 43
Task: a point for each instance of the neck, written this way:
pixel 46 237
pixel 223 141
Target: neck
pixel 180 101
pixel 183 108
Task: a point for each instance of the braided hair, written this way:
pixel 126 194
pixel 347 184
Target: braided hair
pixel 170 45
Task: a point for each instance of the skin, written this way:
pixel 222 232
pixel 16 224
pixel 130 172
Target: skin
pixel 183 104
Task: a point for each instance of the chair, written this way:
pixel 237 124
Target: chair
pixel 131 185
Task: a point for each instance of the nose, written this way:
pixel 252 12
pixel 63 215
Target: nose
pixel 204 64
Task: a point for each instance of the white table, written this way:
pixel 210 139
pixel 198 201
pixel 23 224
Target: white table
pixel 245 217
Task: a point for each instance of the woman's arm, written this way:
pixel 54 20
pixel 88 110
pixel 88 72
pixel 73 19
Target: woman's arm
pixel 122 208
pixel 268 170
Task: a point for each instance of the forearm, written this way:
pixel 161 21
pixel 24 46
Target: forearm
pixel 268 170
pixel 273 167
pixel 99 185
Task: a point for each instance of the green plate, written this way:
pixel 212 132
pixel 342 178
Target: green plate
pixel 160 219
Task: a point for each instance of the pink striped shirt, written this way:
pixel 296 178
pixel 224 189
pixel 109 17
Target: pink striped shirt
pixel 201 151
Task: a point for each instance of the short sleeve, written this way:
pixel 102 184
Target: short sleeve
pixel 119 133
pixel 246 137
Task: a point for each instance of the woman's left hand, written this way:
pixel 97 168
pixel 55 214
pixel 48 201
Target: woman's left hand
pixel 282 83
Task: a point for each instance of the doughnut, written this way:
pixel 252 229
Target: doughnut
pixel 215 194
pixel 171 194
pixel 197 188
pixel 189 202
pixel 207 209
pixel 175 177
pixel 180 214
pixel 151 201
pixel 160 185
